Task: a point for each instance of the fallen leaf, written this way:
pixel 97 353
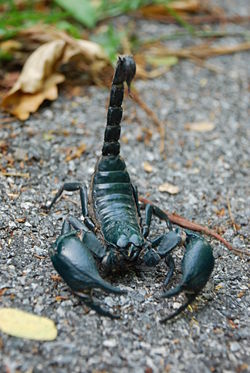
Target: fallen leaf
pixel 147 167
pixel 37 81
pixel 2 291
pixel 76 153
pixel 10 45
pixel 56 278
pixel 16 174
pixel 89 49
pixel 169 188
pixel 187 6
pixel 199 126
pixel 241 294
pixel 232 324
pixel 39 66
pixel 162 61
pixel 59 298
pixel 26 325
pixel 220 212
pixel 21 220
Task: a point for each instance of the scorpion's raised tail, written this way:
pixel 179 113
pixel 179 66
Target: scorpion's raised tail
pixel 124 72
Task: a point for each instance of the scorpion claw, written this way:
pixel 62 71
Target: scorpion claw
pixel 151 258
pixel 169 242
pixel 96 307
pixel 170 293
pixel 75 263
pixel 179 310
pixel 197 266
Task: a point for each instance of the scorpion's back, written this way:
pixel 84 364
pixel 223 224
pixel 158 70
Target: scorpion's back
pixel 114 202
pixel 112 196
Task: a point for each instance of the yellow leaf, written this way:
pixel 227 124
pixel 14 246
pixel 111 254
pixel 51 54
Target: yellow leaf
pixel 199 126
pixel 162 61
pixel 147 167
pixel 169 188
pixel 26 325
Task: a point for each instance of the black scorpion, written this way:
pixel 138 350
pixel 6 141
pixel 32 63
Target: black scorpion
pixel 112 211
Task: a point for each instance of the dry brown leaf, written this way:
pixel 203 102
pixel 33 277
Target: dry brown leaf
pixel 89 50
pixel 39 66
pixel 76 152
pixel 22 104
pixel 187 6
pixel 168 188
pixel 37 81
pixel 10 45
pixel 147 167
pixel 26 325
pixel 200 126
pixel 203 51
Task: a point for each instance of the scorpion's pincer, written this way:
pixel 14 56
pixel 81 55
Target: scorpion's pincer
pixel 73 260
pixel 197 266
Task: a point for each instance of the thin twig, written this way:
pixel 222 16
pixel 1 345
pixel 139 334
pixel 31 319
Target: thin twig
pixel 196 20
pixel 182 222
pixel 204 50
pixel 231 215
pixel 196 34
pixel 153 116
pixel 16 174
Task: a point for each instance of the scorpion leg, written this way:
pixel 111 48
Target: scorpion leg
pixel 136 197
pixel 164 243
pixel 72 187
pixel 163 216
pixel 148 219
pixel 73 260
pixel 170 263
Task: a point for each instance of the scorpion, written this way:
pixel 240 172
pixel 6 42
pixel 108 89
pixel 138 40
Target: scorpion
pixel 112 234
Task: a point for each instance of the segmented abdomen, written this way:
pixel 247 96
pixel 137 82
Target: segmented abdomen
pixel 113 200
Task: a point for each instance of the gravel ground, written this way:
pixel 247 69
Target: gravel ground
pixel 210 168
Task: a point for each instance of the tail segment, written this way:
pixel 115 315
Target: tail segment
pixel 124 72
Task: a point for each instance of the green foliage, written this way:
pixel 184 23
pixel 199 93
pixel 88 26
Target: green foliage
pixel 14 20
pixel 69 15
pixel 5 56
pixel 80 10
pixel 111 41
pixel 86 13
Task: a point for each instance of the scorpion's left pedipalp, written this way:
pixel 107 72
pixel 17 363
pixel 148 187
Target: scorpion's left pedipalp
pixel 73 260
pixel 89 239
